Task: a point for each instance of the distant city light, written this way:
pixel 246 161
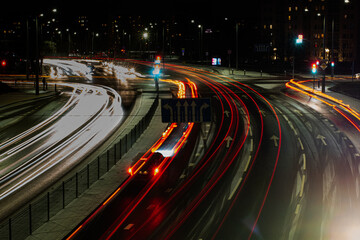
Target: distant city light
pixel 299 39
pixel 216 61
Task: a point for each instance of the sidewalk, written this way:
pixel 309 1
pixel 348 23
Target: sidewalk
pixel 13 95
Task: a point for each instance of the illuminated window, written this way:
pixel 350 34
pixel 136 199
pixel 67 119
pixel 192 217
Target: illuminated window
pixel 289 9
pixel 271 27
pixel 289 18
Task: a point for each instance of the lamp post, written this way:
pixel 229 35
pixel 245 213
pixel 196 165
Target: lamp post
pixel 324 31
pixel 146 36
pixel 200 41
pixel 298 41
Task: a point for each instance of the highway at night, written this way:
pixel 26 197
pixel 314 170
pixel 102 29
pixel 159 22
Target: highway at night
pixel 260 170
pixel 201 120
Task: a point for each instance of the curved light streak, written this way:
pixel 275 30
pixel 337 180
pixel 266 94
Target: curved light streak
pixel 322 97
pixel 163 166
pixel 76 129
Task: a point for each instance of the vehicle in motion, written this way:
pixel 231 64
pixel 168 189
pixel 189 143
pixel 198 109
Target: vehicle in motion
pixel 147 167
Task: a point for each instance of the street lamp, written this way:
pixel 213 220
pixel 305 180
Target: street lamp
pixel 200 40
pixel 146 36
pixel 298 41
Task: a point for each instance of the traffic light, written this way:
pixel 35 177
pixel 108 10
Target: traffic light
pixel 299 39
pixel 317 63
pixel 332 64
pixel 157 60
pixel 3 63
pixel 314 68
pixel 156 70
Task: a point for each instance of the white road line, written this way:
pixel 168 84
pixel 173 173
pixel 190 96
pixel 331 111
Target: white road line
pixel 297 210
pixel 235 188
pixel 277 109
pixel 129 226
pixel 304 161
pixel 247 164
pixel 301 144
pixel 302 186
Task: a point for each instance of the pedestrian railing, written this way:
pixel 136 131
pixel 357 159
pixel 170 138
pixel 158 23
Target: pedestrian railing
pixel 24 222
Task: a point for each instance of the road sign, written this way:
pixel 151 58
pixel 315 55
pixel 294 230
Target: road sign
pixel 186 110
pixel 323 66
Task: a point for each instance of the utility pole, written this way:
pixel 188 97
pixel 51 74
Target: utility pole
pixel 237 45
pixel 324 32
pixel 36 56
pixel 27 49
pixel 332 46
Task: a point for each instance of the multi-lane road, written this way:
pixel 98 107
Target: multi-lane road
pixel 274 163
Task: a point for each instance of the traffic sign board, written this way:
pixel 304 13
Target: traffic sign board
pixel 186 110
pixel 323 66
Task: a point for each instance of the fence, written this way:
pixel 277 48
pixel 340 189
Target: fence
pixel 21 224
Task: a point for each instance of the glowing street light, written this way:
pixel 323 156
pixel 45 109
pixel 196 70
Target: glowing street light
pixel 299 39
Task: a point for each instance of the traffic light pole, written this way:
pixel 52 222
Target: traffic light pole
pixel 37 56
pixel 27 49
pixel 323 80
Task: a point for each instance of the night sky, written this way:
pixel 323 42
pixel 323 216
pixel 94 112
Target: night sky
pixel 203 8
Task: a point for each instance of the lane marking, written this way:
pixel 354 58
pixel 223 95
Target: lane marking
pixel 322 138
pixel 129 226
pixel 277 109
pixel 297 210
pixel 298 112
pixel 235 188
pixel 302 186
pixel 301 144
pixel 304 161
pixel 275 139
pixel 247 164
pixel 251 145
pixel 151 206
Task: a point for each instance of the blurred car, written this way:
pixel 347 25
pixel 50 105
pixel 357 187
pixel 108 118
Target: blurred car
pixel 146 167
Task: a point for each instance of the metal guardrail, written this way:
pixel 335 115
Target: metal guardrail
pixel 24 222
